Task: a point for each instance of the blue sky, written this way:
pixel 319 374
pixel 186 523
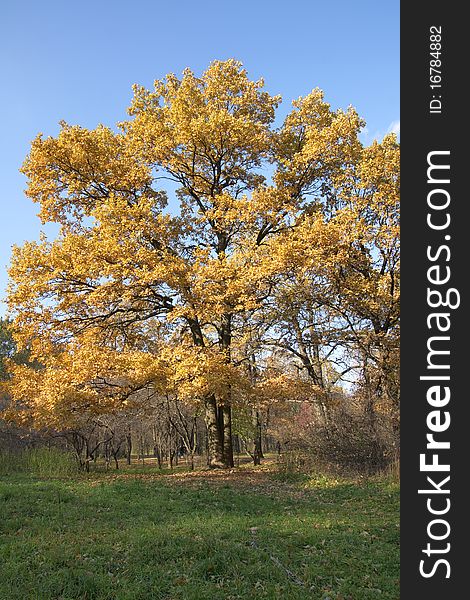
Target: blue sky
pixel 77 61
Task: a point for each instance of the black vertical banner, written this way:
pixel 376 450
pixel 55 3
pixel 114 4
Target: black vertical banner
pixel 435 346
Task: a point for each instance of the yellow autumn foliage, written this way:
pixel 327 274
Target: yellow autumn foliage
pixel 131 296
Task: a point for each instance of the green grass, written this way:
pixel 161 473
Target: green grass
pixel 43 462
pixel 136 536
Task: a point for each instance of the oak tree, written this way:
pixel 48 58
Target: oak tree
pixel 134 296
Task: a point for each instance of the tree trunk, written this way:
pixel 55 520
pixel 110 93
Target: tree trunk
pixel 128 446
pixel 214 435
pixel 107 457
pixel 225 340
pixel 142 455
pixel 158 455
pixel 257 451
pixel 227 437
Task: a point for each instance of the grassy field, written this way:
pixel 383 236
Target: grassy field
pixel 144 535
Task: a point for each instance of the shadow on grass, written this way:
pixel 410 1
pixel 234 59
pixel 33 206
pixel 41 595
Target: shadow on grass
pixel 131 539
